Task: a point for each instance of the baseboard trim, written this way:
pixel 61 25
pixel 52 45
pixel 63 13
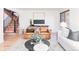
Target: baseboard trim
pixel 61 46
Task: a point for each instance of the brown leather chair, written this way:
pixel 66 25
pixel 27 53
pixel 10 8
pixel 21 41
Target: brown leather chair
pixel 45 33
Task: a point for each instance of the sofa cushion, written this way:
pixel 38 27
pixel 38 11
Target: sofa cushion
pixel 30 30
pixel 73 35
pixel 43 29
pixel 65 32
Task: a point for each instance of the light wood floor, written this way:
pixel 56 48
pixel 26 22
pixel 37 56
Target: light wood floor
pixel 9 40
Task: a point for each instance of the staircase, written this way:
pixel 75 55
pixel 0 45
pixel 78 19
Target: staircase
pixel 10 27
pixel 10 24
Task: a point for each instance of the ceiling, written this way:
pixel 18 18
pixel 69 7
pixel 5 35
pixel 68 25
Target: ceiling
pixel 25 9
pixel 55 9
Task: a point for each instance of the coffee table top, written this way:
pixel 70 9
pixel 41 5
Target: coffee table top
pixel 30 46
pixel 41 47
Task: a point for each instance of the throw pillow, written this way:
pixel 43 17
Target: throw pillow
pixel 74 35
pixel 65 32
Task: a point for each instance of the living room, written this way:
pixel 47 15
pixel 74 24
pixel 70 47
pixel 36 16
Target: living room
pixel 41 19
pixel 49 16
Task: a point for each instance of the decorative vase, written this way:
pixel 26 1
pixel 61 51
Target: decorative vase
pixel 36 38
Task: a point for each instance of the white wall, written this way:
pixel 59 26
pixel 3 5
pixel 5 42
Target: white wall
pixel 6 20
pixel 74 19
pixel 51 18
pixel 1 25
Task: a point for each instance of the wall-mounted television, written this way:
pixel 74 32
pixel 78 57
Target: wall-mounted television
pixel 38 21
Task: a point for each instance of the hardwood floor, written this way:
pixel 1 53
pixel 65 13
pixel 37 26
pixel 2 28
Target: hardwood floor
pixel 12 42
pixel 9 40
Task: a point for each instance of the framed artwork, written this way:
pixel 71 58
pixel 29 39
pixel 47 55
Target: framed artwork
pixel 64 16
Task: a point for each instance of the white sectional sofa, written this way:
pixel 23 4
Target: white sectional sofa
pixel 68 44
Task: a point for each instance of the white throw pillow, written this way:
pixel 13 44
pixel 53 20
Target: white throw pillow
pixel 64 32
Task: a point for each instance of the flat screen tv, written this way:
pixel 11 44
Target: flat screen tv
pixel 38 21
